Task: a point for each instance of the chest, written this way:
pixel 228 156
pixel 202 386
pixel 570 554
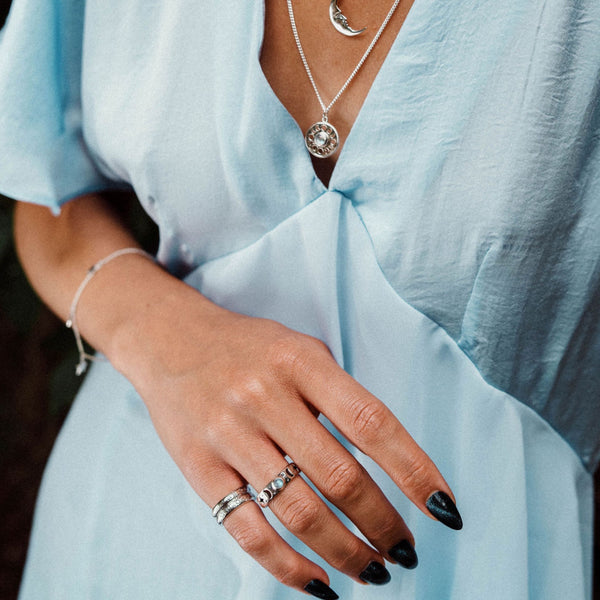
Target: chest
pixel 331 56
pixel 466 130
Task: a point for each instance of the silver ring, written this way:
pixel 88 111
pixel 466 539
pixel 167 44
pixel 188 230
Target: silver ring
pixel 228 504
pixel 275 486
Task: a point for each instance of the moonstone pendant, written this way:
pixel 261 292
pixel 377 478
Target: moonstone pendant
pixel 322 139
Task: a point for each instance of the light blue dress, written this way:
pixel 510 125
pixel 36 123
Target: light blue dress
pixel 452 266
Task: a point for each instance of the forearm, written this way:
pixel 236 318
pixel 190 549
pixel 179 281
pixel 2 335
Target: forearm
pixel 56 253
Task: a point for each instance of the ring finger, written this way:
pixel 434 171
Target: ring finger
pixel 307 517
pixel 248 526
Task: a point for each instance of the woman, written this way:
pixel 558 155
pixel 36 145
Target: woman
pixel 449 261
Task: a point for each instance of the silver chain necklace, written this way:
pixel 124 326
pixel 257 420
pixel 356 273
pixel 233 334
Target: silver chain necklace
pixel 322 138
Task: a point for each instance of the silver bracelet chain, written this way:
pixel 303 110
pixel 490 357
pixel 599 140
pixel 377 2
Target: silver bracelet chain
pixel 71 322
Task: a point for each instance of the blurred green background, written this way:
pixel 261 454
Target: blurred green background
pixel 37 385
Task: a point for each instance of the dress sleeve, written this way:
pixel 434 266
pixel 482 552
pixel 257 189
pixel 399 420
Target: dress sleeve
pixel 43 155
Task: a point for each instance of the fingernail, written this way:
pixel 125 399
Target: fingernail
pixel 404 554
pixel 376 574
pixel 318 589
pixel 440 505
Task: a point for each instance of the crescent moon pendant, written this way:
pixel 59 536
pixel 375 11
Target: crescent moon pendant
pixel 340 22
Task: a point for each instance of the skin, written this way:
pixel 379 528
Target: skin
pixel 209 376
pixel 331 57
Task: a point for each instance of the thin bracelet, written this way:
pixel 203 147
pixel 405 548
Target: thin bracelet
pixel 71 322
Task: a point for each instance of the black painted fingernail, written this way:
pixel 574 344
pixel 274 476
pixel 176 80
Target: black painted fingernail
pixel 319 590
pixel 440 505
pixel 404 554
pixel 376 574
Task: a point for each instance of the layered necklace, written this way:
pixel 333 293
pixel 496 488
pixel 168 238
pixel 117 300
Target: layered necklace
pixel 322 138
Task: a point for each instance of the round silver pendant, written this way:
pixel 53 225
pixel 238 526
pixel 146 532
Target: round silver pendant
pixel 322 139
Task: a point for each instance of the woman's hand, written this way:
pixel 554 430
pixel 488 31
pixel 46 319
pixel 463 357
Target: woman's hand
pixel 231 396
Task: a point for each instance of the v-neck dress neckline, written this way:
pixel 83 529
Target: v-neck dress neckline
pixel 365 122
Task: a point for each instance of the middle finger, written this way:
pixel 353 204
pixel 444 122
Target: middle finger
pixel 347 485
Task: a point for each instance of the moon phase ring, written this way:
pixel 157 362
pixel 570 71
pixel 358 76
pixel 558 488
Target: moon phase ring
pixel 275 486
pixel 228 504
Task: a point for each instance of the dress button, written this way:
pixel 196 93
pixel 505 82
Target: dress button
pixel 186 252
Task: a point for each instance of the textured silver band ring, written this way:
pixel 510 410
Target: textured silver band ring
pixel 228 504
pixel 275 486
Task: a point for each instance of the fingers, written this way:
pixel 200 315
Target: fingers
pixel 257 537
pixel 373 428
pixel 347 485
pixel 308 518
pixel 257 427
pixel 254 534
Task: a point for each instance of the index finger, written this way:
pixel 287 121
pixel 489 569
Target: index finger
pixel 370 425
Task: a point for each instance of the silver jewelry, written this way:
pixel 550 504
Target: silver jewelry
pixel 340 22
pixel 275 486
pixel 228 504
pixel 71 322
pixel 322 138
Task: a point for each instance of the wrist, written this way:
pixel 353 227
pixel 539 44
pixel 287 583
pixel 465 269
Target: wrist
pixel 155 313
pixel 72 322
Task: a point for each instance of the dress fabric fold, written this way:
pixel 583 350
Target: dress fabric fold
pixel 504 463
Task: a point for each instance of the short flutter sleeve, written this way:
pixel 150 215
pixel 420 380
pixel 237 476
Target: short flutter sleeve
pixel 43 155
